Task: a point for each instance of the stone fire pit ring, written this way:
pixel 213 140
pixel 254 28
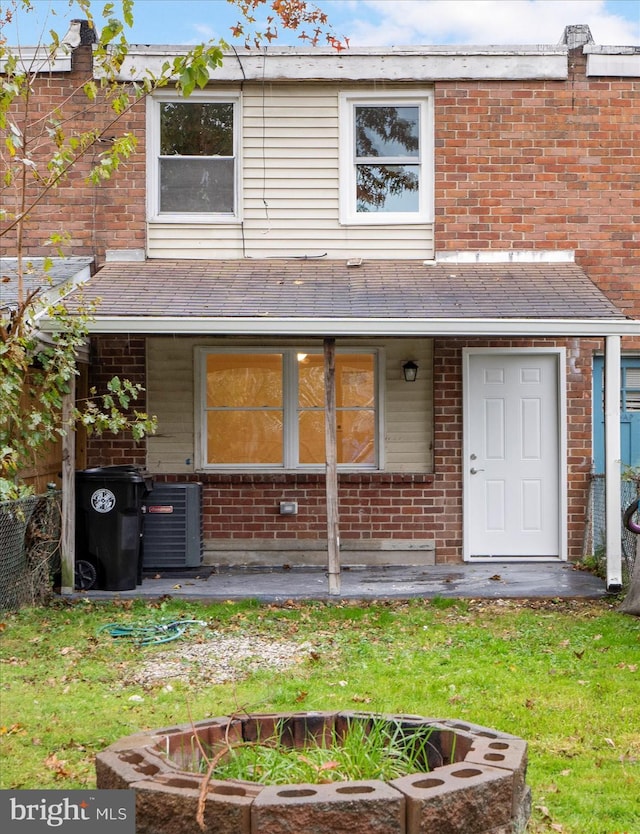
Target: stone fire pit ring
pixel 474 781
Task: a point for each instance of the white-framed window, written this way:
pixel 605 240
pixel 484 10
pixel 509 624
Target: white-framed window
pixel 192 157
pixel 386 158
pixel 264 408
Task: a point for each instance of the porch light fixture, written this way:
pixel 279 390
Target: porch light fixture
pixel 410 371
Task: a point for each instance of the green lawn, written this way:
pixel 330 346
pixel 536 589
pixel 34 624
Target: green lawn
pixel 562 675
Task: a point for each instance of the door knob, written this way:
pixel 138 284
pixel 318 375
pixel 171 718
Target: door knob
pixel 475 471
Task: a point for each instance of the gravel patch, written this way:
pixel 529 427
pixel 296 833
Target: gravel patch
pixel 219 659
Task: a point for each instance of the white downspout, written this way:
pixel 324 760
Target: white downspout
pixel 612 463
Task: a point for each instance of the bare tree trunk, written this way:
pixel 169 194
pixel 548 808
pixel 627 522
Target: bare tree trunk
pixel 631 603
pixel 68 554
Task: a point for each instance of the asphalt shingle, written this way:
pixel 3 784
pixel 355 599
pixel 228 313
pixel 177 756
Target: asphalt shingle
pixel 329 288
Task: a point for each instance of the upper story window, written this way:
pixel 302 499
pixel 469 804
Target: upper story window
pixel 386 158
pixel 265 409
pixel 193 158
pixel 631 388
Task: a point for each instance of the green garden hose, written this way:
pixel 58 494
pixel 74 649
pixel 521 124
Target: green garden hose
pixel 152 633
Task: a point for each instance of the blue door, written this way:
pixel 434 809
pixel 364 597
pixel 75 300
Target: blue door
pixel 629 412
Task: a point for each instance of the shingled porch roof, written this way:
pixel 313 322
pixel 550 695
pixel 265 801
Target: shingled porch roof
pixel 324 296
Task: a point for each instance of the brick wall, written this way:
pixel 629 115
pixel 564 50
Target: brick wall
pixel 97 217
pixel 544 165
pixel 371 505
pixel 123 356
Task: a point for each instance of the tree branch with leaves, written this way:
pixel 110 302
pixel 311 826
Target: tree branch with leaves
pixel 80 138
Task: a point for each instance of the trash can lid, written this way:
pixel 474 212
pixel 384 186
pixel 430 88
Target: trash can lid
pixel 125 472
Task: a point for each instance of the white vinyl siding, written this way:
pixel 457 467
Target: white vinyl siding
pixel 406 408
pixel 290 189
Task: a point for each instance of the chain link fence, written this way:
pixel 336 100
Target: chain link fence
pixel 29 549
pixel 595 539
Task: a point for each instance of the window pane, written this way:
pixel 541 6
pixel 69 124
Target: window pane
pixel 355 418
pixel 355 380
pixel 356 437
pixel 244 437
pixel 310 380
pixel 387 131
pixel 311 428
pixel 196 129
pixel 244 380
pixel 632 393
pixel 386 188
pixel 197 185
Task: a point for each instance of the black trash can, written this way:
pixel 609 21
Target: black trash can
pixel 109 525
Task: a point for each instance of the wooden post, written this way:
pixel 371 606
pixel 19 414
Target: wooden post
pixel 333 532
pixel 68 539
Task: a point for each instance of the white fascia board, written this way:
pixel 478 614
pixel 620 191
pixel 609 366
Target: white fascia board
pixel 623 65
pixel 55 294
pixel 504 256
pixel 38 59
pixel 429 64
pixel 267 326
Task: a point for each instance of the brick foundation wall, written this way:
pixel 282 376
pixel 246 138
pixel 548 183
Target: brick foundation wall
pixel 371 505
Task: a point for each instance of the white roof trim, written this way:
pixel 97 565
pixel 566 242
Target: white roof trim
pixel 506 256
pixel 38 59
pixel 53 295
pixel 263 326
pixel 391 64
pixel 624 65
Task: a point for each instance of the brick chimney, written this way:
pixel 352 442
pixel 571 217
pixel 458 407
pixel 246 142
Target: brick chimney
pixel 81 33
pixel 576 36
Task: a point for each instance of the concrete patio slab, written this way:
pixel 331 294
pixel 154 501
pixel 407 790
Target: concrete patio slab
pixel 494 580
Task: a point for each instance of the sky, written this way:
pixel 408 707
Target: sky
pixel 364 22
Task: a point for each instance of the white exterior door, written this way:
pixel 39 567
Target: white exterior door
pixel 512 454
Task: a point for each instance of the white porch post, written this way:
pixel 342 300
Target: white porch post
pixel 68 541
pixel 612 464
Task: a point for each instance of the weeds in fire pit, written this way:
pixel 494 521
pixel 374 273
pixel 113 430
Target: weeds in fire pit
pixel 375 749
